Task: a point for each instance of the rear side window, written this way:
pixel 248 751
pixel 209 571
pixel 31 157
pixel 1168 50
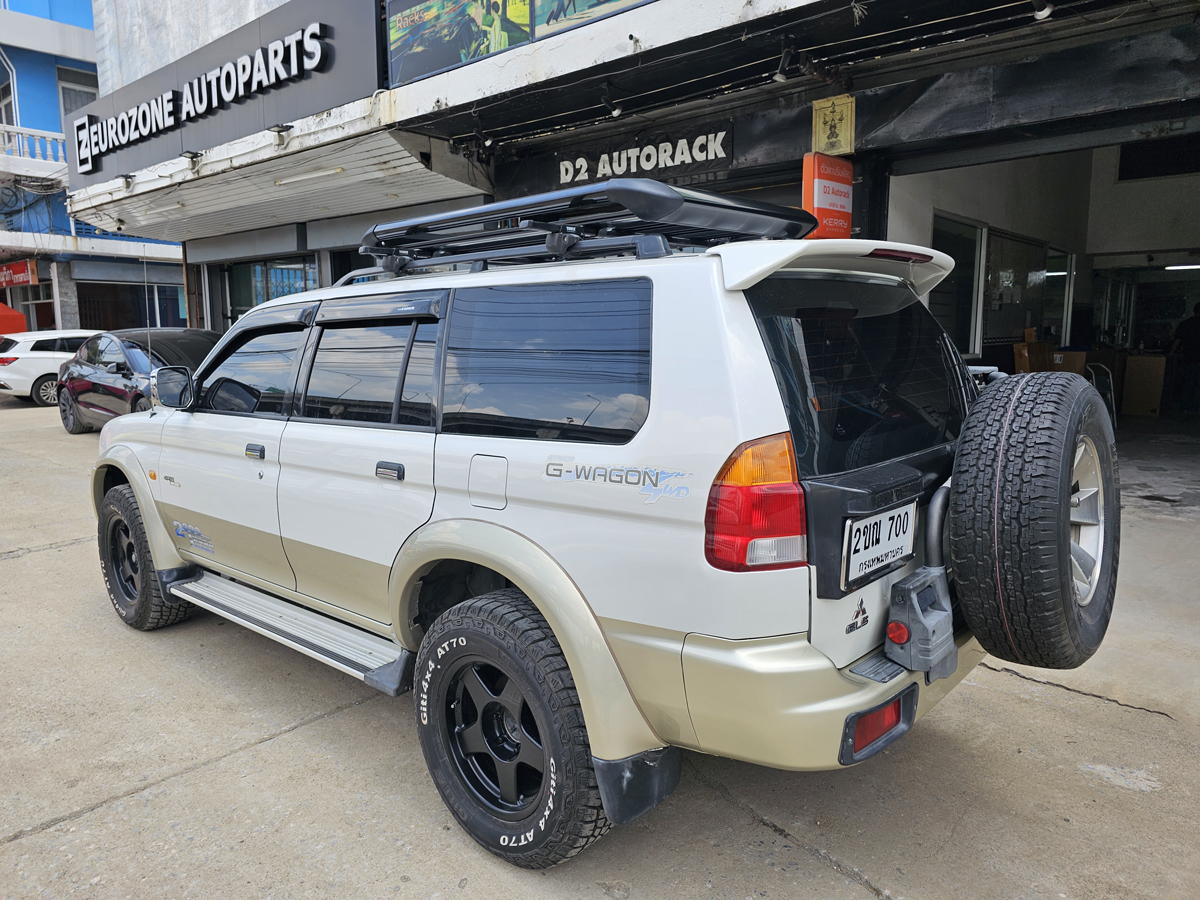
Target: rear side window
pixel 416 397
pixel 355 373
pixel 866 372
pixel 44 346
pixel 567 362
pixel 254 378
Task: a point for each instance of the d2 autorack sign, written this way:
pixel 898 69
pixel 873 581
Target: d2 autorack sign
pixel 283 60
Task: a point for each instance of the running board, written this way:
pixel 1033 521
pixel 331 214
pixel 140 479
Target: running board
pixel 374 660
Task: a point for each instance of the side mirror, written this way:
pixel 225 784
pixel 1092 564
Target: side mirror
pixel 117 368
pixel 171 386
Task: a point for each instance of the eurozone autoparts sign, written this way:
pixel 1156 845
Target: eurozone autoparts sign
pixel 287 59
pixel 658 155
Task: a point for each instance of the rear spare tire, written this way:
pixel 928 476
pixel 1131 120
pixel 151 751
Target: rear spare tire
pixel 1035 520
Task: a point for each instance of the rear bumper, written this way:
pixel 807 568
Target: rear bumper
pixel 780 702
pixel 19 387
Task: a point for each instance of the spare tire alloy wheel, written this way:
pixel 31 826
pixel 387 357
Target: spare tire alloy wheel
pixel 502 731
pixel 1035 520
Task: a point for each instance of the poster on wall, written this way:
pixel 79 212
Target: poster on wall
pixel 554 15
pixel 829 194
pixel 427 36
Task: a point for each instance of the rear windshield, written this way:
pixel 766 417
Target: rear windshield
pixel 7 344
pixel 865 371
pixel 187 348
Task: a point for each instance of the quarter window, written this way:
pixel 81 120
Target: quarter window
pixel 416 397
pixel 566 362
pixel 355 373
pixel 254 378
pixel 46 346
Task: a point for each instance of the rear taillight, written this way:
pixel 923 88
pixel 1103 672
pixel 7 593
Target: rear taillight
pixel 5 360
pixel 874 725
pixel 755 518
pixel 899 255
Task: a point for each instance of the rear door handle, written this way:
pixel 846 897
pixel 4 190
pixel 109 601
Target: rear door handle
pixel 256 451
pixel 389 470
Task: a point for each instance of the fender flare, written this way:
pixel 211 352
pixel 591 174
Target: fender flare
pixel 616 726
pixel 122 458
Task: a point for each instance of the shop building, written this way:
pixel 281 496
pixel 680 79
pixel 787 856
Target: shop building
pixel 57 271
pixel 1051 149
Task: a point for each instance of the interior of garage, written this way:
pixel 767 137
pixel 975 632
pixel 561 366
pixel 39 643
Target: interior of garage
pixel 1086 260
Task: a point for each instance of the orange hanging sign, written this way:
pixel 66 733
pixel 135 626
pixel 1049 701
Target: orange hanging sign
pixel 828 193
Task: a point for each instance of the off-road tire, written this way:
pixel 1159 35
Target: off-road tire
pixel 504 632
pixel 139 604
pixel 68 411
pixel 1010 519
pixel 41 391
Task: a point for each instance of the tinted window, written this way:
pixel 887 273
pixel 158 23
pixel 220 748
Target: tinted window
pixel 46 346
pixel 865 371
pixel 551 362
pixel 91 352
pixel 187 348
pixel 256 377
pixel 7 344
pixel 416 398
pixel 71 345
pixel 355 373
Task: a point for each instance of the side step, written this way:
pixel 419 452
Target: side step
pixel 372 659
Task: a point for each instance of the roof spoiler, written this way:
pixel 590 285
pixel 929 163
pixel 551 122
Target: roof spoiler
pixel 745 265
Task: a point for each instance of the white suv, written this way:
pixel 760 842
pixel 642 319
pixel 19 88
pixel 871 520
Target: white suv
pixel 638 471
pixel 30 360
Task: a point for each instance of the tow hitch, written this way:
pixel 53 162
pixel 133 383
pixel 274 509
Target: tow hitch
pixel 920 631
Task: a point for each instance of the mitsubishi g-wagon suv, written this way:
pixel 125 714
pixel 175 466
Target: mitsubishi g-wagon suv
pixel 613 472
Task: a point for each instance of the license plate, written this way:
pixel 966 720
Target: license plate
pixel 876 542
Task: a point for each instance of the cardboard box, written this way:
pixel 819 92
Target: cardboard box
pixel 1143 385
pixel 1069 361
pixel 1039 357
pixel 1030 335
pixel 1021 359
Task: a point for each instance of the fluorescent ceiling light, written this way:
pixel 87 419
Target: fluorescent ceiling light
pixel 1051 274
pixel 319 173
pixel 1181 268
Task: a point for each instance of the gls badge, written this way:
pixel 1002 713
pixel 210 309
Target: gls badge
pixel 860 618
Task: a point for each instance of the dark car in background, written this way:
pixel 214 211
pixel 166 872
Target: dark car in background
pixel 110 375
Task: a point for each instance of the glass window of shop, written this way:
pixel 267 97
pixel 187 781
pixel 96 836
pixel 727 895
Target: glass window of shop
pixel 256 282
pixel 954 301
pixel 109 306
pixel 36 301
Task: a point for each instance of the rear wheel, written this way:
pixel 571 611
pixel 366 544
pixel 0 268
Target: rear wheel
pixel 45 391
pixel 1035 520
pixel 502 732
pixel 128 568
pixel 69 413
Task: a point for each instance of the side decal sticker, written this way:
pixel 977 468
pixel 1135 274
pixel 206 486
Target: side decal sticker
pixel 653 482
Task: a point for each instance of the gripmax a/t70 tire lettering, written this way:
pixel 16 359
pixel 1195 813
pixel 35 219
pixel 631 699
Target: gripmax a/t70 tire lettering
pixel 1035 520
pixel 128 568
pixel 503 734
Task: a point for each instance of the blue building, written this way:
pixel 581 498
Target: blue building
pixel 54 270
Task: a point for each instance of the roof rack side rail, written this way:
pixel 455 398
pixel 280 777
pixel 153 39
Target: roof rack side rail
pixel 360 273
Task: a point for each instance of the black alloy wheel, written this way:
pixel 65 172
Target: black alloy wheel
pixel 502 731
pixel 141 405
pixel 69 414
pixel 128 567
pixel 494 739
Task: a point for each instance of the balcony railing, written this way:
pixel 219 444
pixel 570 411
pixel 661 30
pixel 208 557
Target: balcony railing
pixel 29 143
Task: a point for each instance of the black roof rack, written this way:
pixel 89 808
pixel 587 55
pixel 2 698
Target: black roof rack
pixel 622 215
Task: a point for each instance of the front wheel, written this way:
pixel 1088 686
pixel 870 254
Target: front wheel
pixel 128 568
pixel 142 405
pixel 503 734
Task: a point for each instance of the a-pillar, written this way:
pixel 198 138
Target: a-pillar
pixel 66 296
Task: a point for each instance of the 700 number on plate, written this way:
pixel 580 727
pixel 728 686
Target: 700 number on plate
pixel 875 542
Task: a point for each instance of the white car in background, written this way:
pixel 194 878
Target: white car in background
pixel 30 360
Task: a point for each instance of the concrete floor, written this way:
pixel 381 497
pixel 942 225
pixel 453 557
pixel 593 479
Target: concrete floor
pixel 204 760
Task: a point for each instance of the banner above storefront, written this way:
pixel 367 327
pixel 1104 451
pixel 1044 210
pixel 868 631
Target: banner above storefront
pixel 301 58
pixel 656 155
pixel 428 36
pixel 15 274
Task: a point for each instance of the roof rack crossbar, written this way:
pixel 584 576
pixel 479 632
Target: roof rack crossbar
pixel 644 246
pixel 558 224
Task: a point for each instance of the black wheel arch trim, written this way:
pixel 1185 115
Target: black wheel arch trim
pixel 631 787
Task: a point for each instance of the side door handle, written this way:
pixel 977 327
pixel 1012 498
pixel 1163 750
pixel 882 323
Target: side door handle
pixel 391 470
pixel 256 451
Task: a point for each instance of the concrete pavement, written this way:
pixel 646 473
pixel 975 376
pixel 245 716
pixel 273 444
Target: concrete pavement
pixel 204 760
